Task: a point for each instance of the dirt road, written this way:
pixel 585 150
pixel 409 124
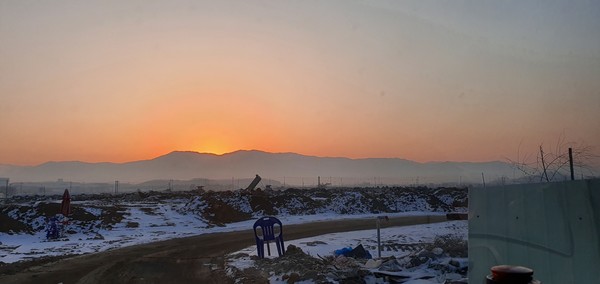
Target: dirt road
pixel 198 259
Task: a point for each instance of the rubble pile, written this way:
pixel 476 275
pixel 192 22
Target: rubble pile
pixel 443 261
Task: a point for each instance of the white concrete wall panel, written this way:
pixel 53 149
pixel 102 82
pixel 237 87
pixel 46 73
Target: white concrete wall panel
pixel 553 228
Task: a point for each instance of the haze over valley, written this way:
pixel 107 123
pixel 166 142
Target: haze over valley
pixel 280 168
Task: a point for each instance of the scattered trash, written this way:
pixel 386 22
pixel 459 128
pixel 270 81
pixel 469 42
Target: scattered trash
pixel 358 252
pixel 342 263
pixel 343 251
pixel 431 262
pixel 390 265
pixel 371 263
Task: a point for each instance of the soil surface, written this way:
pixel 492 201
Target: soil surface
pixel 198 259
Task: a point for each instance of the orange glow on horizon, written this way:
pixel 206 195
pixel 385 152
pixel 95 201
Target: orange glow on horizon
pixel 215 146
pixel 124 83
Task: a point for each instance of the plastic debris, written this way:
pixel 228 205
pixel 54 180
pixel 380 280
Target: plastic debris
pixel 371 263
pixel 358 252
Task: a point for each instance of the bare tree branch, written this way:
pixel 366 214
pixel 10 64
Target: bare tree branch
pixel 553 165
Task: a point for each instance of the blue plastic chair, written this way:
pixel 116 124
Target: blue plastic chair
pixel 267 226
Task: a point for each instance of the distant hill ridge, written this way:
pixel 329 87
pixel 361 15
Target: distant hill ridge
pixel 185 165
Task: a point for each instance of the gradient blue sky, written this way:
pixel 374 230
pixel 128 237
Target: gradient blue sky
pixel 421 80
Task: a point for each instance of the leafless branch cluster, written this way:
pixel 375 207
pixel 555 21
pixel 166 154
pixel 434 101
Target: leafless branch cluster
pixel 551 165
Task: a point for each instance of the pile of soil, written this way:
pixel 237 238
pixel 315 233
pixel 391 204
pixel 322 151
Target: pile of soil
pixel 224 207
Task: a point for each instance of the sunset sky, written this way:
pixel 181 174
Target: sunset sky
pixel 116 81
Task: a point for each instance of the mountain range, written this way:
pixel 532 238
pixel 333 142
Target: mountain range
pixel 180 165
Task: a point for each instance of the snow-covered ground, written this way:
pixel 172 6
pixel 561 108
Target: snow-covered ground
pixel 429 253
pixel 150 228
pixel 103 222
pixel 399 244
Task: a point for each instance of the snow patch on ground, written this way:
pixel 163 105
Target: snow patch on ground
pixel 400 243
pixel 137 227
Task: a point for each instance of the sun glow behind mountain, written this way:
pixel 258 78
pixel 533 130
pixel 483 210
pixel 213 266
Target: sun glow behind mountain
pixel 121 81
pixel 213 147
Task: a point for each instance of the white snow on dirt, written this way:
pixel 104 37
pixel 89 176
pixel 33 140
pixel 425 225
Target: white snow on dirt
pixel 396 242
pixel 103 222
pixel 165 223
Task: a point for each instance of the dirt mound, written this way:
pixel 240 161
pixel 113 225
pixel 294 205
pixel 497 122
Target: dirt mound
pixel 33 218
pixel 233 206
pixel 10 225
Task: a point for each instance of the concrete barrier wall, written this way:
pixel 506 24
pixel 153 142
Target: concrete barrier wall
pixel 553 228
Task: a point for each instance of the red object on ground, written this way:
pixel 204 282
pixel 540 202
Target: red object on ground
pixel 65 206
pixel 502 274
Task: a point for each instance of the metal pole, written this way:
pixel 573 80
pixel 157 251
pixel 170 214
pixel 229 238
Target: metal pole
pixel 571 163
pixel 379 218
pixel 378 240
